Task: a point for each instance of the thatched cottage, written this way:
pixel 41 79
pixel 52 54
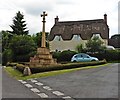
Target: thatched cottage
pixel 66 35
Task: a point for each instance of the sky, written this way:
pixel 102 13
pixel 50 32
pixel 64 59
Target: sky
pixel 66 10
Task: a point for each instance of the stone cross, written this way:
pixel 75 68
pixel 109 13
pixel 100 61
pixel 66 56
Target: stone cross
pixel 43 43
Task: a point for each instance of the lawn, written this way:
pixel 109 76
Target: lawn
pixel 19 76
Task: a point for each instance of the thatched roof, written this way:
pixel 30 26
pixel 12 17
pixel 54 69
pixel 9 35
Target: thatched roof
pixel 85 29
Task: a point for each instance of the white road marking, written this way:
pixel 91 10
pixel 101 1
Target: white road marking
pixel 28 85
pixel 24 82
pixel 66 97
pixel 47 88
pixel 38 83
pixel 58 93
pixel 20 80
pixel 35 90
pixel 34 81
pixel 4 67
pixel 43 95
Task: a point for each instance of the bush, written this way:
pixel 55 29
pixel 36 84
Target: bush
pixel 23 47
pixel 109 55
pixel 7 56
pixel 20 67
pixel 65 66
pixel 39 69
pixel 64 56
pixel 11 64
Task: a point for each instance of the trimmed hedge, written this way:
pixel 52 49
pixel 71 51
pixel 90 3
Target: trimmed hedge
pixel 63 56
pixel 38 69
pixel 109 55
pixel 11 64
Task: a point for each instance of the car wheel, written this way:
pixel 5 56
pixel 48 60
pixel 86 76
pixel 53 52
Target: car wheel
pixel 74 61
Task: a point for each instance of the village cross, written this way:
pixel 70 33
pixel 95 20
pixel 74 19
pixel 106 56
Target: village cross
pixel 43 43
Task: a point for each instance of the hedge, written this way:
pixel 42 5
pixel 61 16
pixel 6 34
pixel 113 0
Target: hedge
pixel 64 55
pixel 38 69
pixel 109 55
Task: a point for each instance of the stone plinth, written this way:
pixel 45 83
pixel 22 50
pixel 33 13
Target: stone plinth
pixel 42 58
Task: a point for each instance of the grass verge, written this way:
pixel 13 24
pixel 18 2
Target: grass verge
pixel 19 76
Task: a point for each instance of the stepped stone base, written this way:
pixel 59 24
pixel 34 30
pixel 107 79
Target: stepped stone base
pixel 42 58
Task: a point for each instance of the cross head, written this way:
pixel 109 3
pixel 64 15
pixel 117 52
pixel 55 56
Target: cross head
pixel 43 15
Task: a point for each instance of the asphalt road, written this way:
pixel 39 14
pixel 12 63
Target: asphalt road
pixel 91 83
pixel 11 88
pixel 99 82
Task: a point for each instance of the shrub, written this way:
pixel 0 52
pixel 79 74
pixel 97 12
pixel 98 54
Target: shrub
pixel 7 56
pixel 11 64
pixel 64 55
pixel 20 67
pixel 109 55
pixel 65 66
pixel 79 48
pixel 56 55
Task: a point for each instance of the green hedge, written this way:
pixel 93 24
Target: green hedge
pixel 109 55
pixel 11 64
pixel 63 56
pixel 38 69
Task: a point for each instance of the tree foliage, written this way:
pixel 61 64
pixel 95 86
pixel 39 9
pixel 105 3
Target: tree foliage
pixel 19 26
pixel 79 48
pixel 23 48
pixel 6 51
pixel 6 37
pixel 63 56
pixel 38 37
pixel 94 45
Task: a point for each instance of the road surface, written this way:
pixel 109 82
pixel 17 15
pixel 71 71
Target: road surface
pixel 99 82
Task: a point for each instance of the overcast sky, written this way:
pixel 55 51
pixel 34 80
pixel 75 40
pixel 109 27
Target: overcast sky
pixel 66 10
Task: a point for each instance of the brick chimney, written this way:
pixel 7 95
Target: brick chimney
pixel 56 20
pixel 105 18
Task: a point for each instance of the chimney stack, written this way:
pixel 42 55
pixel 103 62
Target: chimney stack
pixel 105 18
pixel 56 19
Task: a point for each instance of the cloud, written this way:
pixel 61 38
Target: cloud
pixel 33 7
pixel 67 10
pixel 65 2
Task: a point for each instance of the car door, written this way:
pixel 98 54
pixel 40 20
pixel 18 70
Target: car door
pixel 86 58
pixel 80 58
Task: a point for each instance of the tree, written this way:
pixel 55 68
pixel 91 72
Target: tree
pixel 7 56
pixel 94 45
pixel 79 48
pixel 6 37
pixel 6 51
pixel 23 48
pixel 19 26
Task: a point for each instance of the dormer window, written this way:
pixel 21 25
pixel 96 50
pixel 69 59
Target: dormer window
pixel 76 37
pixel 58 38
pixel 96 35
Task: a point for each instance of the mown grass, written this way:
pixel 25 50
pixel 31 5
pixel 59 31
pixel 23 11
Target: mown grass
pixel 19 76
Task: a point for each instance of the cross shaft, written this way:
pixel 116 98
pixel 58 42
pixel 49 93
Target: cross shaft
pixel 43 43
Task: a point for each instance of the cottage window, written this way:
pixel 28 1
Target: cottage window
pixel 58 38
pixel 76 37
pixel 97 35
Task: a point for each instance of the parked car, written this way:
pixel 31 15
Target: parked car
pixel 82 57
